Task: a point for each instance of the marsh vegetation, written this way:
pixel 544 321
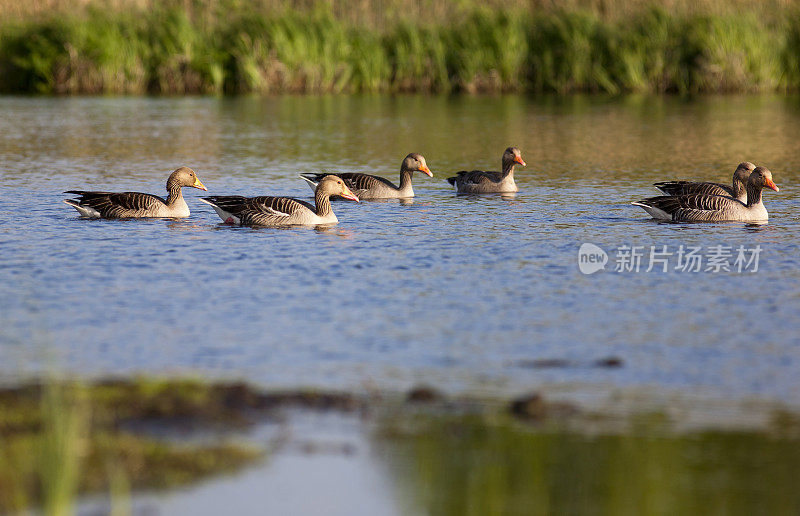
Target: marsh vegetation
pixel 225 46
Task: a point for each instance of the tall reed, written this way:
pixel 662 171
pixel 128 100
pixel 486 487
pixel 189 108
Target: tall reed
pixel 271 46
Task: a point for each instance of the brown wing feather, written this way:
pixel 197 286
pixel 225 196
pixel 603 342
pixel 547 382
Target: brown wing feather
pixel 119 204
pixel 259 211
pixel 475 176
pixel 355 181
pixel 693 187
pixel 691 207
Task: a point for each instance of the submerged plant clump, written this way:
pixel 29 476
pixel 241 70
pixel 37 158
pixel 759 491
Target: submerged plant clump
pixel 59 439
pixel 63 438
pixel 223 47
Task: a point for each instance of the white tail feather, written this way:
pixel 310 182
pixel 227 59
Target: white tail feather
pixel 224 215
pixel 85 211
pixel 654 212
pixel 311 183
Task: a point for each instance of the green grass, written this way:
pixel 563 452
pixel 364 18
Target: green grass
pixel 59 439
pixel 242 47
pixel 487 464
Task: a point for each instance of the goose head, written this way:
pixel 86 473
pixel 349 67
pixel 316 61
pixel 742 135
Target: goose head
pixel 742 172
pixel 334 185
pixel 416 163
pixel 185 176
pixel 511 156
pixel 762 178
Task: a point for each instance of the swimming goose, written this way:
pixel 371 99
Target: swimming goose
pixel 737 191
pixel 480 181
pixel 714 208
pixel 281 211
pixel 367 186
pixel 109 205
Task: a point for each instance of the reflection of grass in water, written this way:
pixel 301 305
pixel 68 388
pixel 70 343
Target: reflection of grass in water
pixel 64 421
pixel 120 491
pixel 453 456
pixel 62 439
pixel 493 465
pixel 216 47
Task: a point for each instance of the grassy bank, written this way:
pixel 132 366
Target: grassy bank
pixel 218 47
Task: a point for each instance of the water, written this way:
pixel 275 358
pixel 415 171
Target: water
pixel 460 292
pixel 419 463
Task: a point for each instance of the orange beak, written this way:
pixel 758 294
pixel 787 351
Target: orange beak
pixel 426 170
pixel 519 160
pixel 769 184
pixel 198 184
pixel 348 194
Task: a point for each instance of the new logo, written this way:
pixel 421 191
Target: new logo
pixel 591 258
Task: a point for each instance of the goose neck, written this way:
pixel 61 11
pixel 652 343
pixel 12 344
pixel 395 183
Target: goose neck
pixel 405 178
pixel 508 169
pixel 323 203
pixel 175 192
pixel 753 194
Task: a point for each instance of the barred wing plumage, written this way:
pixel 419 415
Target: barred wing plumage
pixel 693 207
pixel 120 204
pixel 475 176
pixel 355 181
pixel 260 211
pixel 693 187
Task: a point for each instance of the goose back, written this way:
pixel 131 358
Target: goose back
pixel 111 205
pixel 262 210
pixel 737 189
pixel 692 187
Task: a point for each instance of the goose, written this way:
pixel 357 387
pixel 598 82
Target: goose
pixel 281 211
pixel 479 181
pixel 714 208
pixel 367 186
pixel 110 205
pixel 737 191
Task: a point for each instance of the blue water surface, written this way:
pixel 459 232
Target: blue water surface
pixel 464 293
